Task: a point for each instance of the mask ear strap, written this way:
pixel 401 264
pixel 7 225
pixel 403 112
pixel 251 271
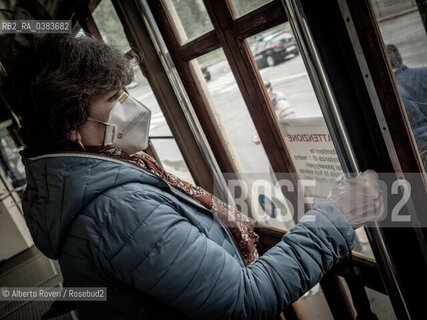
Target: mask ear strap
pixel 110 131
pixel 96 120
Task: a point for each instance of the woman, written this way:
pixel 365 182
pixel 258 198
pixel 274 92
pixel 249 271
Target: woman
pixel 117 220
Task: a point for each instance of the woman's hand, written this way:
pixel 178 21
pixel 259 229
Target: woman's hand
pixel 359 199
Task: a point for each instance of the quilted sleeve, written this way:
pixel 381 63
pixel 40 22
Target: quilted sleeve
pixel 167 258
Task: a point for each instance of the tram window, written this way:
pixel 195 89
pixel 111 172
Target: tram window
pixel 168 153
pixel 240 133
pixel 5 14
pixel 299 115
pixel 109 25
pixel 405 38
pixel 314 304
pixel 81 33
pixel 160 134
pixel 12 170
pixel 379 302
pixel 295 104
pixel 238 130
pixel 190 17
pixel 172 161
pixel 244 6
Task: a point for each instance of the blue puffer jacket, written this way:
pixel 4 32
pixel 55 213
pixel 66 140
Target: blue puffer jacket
pixel 412 83
pixel 160 255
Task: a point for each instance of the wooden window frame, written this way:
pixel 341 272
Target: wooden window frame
pixel 253 91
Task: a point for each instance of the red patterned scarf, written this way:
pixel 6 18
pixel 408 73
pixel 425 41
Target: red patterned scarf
pixel 240 225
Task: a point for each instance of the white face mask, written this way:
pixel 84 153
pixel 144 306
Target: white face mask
pixel 128 125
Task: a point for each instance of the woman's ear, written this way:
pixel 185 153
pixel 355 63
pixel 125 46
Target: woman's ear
pixel 74 136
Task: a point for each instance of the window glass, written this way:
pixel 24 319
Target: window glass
pixel 7 10
pixel 267 201
pixel 315 305
pixel 245 6
pixel 405 38
pixel 161 137
pixel 168 154
pixel 140 89
pixel 109 25
pixel 295 104
pixel 12 170
pixel 80 33
pixel 190 17
pixel 172 161
pixel 299 115
pixel 380 303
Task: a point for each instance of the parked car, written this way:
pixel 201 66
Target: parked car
pixel 206 73
pixel 274 48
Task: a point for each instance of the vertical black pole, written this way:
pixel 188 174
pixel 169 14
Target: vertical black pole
pixel 422 8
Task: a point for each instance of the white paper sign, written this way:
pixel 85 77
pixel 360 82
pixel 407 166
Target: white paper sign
pixel 313 153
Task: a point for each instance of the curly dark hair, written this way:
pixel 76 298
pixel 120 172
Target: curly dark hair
pixel 49 83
